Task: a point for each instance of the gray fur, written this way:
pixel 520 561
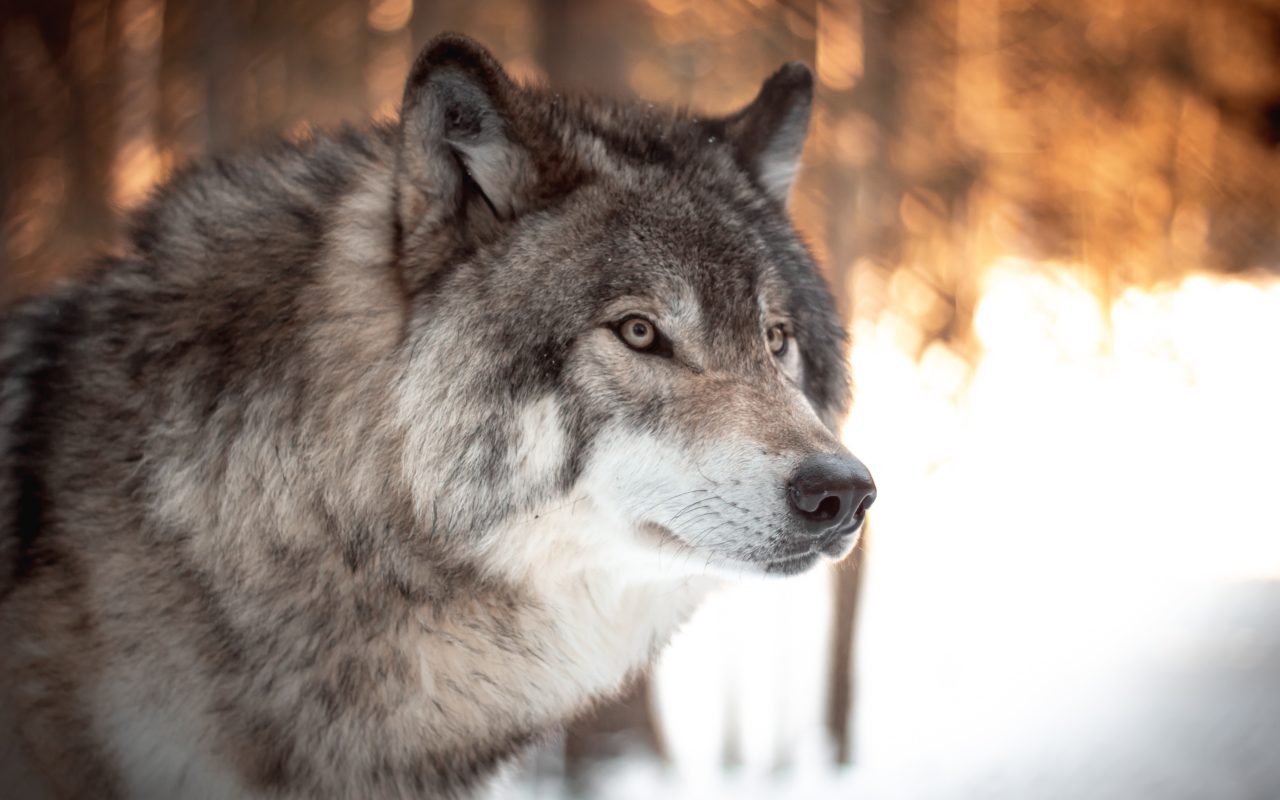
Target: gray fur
pixel 301 492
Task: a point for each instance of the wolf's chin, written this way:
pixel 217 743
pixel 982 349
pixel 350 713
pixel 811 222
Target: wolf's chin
pixel 725 565
pixel 737 568
pixel 778 567
pixel 797 563
pixel 792 565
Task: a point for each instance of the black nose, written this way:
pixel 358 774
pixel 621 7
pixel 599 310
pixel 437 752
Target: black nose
pixel 831 491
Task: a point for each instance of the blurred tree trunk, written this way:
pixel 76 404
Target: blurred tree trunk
pixel 92 82
pixel 222 63
pixel 844 639
pixel 857 94
pixel 876 232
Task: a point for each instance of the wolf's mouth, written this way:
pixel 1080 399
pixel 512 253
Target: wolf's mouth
pixel 836 544
pixel 833 546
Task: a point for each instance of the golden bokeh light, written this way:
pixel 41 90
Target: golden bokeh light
pixel 389 15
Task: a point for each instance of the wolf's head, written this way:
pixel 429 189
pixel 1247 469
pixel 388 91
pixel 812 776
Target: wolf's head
pixel 620 344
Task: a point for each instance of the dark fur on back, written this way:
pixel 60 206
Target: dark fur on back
pixel 259 474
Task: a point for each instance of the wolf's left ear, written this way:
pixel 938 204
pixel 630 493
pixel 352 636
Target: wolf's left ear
pixel 458 134
pixel 768 135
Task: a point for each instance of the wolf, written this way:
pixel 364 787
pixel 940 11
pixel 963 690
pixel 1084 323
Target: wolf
pixel 377 455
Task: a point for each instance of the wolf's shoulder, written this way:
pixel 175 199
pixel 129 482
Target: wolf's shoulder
pixel 265 205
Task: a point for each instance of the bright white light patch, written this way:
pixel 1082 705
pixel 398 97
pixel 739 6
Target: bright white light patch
pixel 1042 519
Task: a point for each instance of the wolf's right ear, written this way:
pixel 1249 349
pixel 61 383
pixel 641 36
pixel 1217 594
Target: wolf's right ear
pixel 769 133
pixel 458 137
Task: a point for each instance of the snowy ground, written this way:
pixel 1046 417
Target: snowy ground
pixel 1191 711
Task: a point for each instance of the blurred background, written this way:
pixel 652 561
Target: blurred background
pixel 1054 229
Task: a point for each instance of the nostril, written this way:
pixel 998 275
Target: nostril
pixel 866 502
pixel 829 508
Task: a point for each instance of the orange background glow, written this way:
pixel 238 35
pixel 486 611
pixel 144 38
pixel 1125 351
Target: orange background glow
pixel 1053 227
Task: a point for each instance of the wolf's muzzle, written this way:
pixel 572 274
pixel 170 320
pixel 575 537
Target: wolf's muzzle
pixel 830 494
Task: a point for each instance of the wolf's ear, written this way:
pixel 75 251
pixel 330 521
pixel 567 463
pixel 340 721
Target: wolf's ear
pixel 458 135
pixel 769 133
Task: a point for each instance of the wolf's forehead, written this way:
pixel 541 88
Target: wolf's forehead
pixel 698 259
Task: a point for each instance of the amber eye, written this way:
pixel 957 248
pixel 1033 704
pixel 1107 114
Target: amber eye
pixel 638 332
pixel 778 339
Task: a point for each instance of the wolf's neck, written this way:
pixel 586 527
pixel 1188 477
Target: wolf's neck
pixel 535 661
pixel 570 632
